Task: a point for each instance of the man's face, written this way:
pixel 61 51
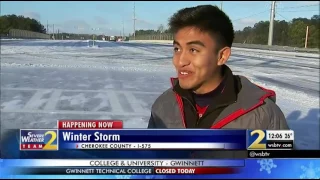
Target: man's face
pixel 195 58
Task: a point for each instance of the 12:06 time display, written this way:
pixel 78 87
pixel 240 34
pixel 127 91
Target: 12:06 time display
pixel 279 135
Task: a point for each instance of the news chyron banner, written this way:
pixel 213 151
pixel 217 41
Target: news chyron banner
pixel 48 139
pixel 122 166
pixel 270 139
pixel 109 134
pixel 160 168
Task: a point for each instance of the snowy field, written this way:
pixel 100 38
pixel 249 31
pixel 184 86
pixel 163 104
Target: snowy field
pixel 43 81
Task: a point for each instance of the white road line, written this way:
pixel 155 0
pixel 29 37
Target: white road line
pixel 79 90
pixel 144 113
pixel 53 101
pixel 134 102
pixel 114 102
pixel 36 101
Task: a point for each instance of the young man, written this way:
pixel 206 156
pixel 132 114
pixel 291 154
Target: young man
pixel 206 94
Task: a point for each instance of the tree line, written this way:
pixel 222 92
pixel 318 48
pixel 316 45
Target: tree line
pixel 286 33
pixel 13 21
pixel 8 22
pixel 291 33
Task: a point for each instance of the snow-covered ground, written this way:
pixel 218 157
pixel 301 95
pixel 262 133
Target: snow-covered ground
pixel 43 81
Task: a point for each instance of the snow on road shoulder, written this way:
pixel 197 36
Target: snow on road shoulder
pixel 68 80
pixel 77 55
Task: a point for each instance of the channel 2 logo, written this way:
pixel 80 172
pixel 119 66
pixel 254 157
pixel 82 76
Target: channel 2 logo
pixel 39 139
pixel 256 139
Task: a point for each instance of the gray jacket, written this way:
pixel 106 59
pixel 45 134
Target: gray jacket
pixel 255 108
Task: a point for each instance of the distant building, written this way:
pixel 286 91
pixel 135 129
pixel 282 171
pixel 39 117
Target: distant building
pixel 113 38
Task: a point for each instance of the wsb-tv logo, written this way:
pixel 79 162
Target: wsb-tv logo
pixel 270 139
pixel 39 139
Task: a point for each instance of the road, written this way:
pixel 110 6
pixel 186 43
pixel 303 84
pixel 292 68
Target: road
pixel 43 81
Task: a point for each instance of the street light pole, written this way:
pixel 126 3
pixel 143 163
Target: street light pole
pixel 123 29
pixel 94 29
pixel 47 27
pixel 271 26
pixel 134 20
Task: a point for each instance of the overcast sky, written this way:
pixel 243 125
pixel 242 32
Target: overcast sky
pixel 111 17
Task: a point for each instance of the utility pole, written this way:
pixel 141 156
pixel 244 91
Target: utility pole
pixel 53 30
pixel 306 40
pixel 123 29
pixel 272 15
pixel 221 5
pixel 47 27
pixel 134 20
pixel 93 35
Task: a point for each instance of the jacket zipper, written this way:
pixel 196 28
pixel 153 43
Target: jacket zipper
pixel 194 108
pixel 222 105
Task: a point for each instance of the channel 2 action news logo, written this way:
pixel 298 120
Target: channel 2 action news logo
pixel 38 139
pixel 256 139
pixel 270 139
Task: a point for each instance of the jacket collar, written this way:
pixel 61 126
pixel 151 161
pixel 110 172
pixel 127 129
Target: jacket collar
pixel 228 95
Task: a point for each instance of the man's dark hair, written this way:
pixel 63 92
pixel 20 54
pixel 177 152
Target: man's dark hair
pixel 207 18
